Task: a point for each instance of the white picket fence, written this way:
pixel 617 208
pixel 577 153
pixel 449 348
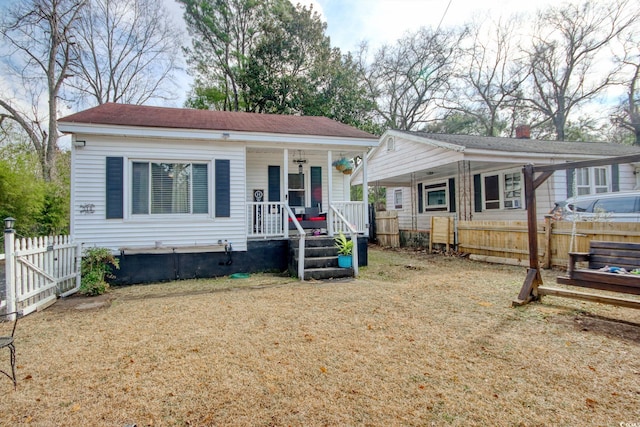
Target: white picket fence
pixel 38 270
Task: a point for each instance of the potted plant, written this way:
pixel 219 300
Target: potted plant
pixel 345 250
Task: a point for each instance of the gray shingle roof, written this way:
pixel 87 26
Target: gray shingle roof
pixel 530 145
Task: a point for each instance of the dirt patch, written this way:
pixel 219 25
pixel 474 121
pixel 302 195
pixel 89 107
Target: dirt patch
pixel 82 302
pixel 415 340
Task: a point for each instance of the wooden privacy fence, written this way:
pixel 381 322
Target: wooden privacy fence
pixel 507 241
pixel 38 270
pixel 387 230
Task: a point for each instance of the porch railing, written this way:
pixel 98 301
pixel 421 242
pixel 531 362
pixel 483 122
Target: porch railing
pixel 344 224
pixel 267 220
pixel 301 244
pixel 271 220
pixel 353 213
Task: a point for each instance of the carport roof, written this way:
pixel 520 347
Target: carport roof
pixel 529 145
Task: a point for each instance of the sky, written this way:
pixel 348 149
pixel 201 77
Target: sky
pixel 379 22
pixel 384 21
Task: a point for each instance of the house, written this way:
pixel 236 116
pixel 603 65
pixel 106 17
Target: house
pixel 480 178
pixel 181 193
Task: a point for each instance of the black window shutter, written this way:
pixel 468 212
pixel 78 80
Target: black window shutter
pixel 316 187
pixel 273 184
pixel 452 195
pixel 477 193
pixel 223 188
pixel 420 201
pixel 615 177
pixel 114 187
pixel 570 175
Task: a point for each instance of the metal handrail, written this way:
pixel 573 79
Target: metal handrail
pixel 302 235
pixel 354 238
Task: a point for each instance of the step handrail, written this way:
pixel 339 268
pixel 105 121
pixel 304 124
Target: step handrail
pixel 354 238
pixel 301 243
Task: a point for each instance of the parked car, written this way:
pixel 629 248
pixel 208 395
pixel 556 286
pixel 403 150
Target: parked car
pixel 618 207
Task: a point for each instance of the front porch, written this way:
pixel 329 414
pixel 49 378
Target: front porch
pixel 296 194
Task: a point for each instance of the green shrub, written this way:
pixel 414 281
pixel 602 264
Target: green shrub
pixel 97 265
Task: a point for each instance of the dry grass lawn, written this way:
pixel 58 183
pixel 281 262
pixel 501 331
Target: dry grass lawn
pixel 417 340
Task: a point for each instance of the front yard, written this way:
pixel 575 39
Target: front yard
pixel 417 340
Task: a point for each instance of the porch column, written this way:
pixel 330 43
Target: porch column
pixel 365 192
pixel 284 196
pixel 329 193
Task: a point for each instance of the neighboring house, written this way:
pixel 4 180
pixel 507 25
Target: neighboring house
pixel 180 193
pixel 480 178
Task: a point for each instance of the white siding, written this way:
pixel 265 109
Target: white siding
pixel 257 170
pixel 407 157
pixel 144 231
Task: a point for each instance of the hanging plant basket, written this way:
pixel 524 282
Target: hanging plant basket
pixel 347 171
pixel 342 164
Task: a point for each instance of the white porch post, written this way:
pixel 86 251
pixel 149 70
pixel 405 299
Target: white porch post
pixel 9 260
pixel 365 192
pixel 284 196
pixel 329 193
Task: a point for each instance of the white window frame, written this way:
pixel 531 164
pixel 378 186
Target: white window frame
pixel 391 144
pixel 587 181
pixel 397 198
pixel 514 201
pixel 512 193
pixel 438 186
pixel 130 183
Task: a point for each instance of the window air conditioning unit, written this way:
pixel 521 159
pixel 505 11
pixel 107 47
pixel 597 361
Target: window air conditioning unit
pixel 512 204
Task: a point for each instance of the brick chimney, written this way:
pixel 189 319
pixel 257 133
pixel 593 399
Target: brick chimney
pixel 523 132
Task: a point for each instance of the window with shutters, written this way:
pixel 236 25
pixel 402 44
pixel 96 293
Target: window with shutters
pixel 169 188
pixel 502 191
pixel 436 197
pixel 592 180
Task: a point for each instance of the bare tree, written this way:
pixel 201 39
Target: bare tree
pixel 127 52
pixel 409 78
pixel 40 36
pixel 627 114
pixel 489 76
pixel 566 43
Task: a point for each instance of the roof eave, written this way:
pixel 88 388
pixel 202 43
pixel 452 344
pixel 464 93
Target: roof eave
pixel 211 135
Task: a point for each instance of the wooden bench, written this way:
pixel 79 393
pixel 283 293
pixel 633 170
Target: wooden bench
pixel 602 254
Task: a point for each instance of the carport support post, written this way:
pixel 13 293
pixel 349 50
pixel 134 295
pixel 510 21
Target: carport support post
pixel 10 286
pixel 533 280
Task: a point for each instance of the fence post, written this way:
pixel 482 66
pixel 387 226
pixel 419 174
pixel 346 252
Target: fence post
pixel 9 248
pixel 548 229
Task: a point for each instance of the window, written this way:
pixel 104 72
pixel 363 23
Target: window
pixel 591 180
pixel 169 188
pixel 296 189
pixel 491 192
pixel 503 191
pixel 617 205
pixel 391 144
pixel 397 199
pixel 583 183
pixel 435 197
pixel 512 190
pixel 600 180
